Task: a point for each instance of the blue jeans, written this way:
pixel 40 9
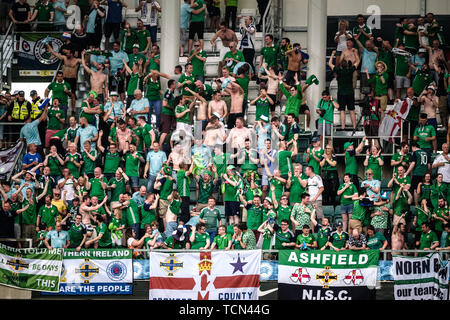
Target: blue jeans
pixel 156 106
pixel 153 33
pixel 171 227
pixel 150 183
pixel 212 235
pixel 136 227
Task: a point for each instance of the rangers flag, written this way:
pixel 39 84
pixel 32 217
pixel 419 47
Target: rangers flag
pixel 216 275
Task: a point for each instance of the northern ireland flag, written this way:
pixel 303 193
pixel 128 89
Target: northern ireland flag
pixel 392 121
pixel 216 275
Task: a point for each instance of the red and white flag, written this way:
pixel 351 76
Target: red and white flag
pixel 392 121
pixel 216 275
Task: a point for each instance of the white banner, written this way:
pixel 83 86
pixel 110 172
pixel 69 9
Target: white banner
pixel 424 278
pixel 97 272
pixel 217 275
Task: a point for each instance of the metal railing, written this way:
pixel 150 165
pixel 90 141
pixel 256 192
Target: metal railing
pixel 30 241
pixel 6 55
pixel 268 20
pixel 383 253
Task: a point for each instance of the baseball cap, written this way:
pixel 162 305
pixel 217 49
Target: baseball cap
pixel 347 144
pixel 16 92
pixel 231 167
pixel 315 139
pixel 136 45
pixel 33 92
pixel 339 224
pixel 113 93
pixel 21 93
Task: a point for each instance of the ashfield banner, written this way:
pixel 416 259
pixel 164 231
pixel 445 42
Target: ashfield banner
pixel 32 269
pixel 97 272
pixel 424 278
pixel 216 275
pixel 327 275
pixel 33 54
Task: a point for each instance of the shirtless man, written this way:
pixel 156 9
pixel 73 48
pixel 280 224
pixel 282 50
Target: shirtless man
pixel 430 104
pixel 201 119
pixel 398 239
pixel 85 209
pixel 351 54
pixel 226 35
pixel 295 58
pixel 71 65
pixel 215 132
pixel 99 80
pixel 123 136
pixel 225 78
pixel 237 136
pixel 237 100
pixel 217 105
pixel 180 143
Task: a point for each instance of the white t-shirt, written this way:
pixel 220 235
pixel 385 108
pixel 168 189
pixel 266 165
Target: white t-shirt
pixel 70 195
pixel 149 16
pixel 314 184
pixel 342 44
pixel 445 170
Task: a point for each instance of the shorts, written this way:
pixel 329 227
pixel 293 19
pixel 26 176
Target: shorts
pixel 347 208
pixel 184 37
pixel 303 109
pixel 217 186
pixel 383 102
pixel 355 224
pixel 275 102
pixel 320 128
pixel 402 82
pixel 134 182
pixel 432 122
pixel 346 101
pixel 289 77
pixel 116 84
pixel 443 104
pixel 214 11
pixel 232 208
pixel 196 28
pixel 167 123
pixel 365 82
pixel 153 33
pixel 415 182
pixel 391 80
pixel 73 84
pixel 171 227
pixel 163 206
pixel 112 28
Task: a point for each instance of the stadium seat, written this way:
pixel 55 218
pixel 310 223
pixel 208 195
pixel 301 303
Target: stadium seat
pixel 328 212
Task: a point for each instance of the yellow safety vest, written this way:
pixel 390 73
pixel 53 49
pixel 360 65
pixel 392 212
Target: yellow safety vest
pixel 20 112
pixel 35 112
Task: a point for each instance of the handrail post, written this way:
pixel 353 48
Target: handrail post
pixel 268 8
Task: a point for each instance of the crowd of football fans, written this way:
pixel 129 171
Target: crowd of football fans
pixel 141 167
